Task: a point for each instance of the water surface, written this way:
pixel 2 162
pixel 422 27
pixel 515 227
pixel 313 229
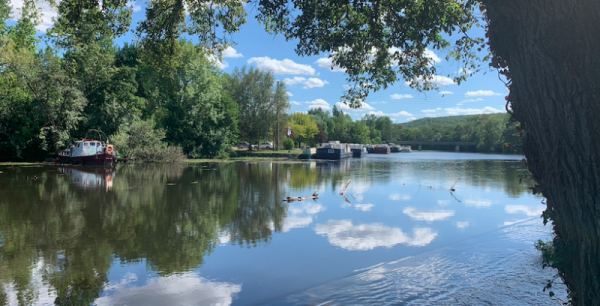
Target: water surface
pixel 220 234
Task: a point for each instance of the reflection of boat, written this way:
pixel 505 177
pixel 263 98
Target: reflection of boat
pixel 90 177
pixel 89 152
pixel 381 149
pixel 395 148
pixel 333 150
pixel 406 149
pixel 358 150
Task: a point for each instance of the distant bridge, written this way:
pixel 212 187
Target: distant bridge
pixel 419 144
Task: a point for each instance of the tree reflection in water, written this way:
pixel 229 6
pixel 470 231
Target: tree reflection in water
pixel 67 228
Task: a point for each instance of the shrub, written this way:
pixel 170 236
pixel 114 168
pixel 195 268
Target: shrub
pixel 288 144
pixel 141 141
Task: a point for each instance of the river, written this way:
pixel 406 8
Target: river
pixel 220 234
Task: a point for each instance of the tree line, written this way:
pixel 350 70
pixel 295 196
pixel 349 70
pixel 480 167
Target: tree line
pixel 491 133
pixel 152 110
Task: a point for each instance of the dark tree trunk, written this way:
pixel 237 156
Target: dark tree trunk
pixel 552 49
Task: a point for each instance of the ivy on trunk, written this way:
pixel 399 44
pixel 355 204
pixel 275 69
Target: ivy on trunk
pixel 548 50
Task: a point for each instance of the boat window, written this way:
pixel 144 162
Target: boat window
pixel 97 144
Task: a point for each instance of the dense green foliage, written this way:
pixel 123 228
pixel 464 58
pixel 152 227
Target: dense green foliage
pixel 260 101
pixel 443 121
pixel 337 125
pixel 491 133
pixel 303 127
pixel 81 80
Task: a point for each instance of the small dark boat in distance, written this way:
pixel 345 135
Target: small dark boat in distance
pixel 395 148
pixel 370 149
pixel 381 149
pixel 333 150
pixel 358 150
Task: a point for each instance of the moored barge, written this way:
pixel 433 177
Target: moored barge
pixel 358 150
pixel 381 149
pixel 89 152
pixel 333 150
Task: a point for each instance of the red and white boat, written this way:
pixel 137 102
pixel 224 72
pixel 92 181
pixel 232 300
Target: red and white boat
pixel 89 152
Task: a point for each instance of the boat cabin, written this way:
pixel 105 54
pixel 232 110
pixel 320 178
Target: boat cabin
pixel 86 148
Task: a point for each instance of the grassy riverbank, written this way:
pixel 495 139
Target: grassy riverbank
pixel 21 164
pixel 235 159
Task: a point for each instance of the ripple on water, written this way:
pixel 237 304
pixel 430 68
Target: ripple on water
pixel 498 268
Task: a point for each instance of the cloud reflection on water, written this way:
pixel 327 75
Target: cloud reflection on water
pixel 300 216
pixel 530 211
pixel 399 197
pixel 364 207
pixel 184 289
pixel 428 215
pixel 478 203
pixel 361 237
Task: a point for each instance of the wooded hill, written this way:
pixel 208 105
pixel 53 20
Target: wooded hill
pixel 444 121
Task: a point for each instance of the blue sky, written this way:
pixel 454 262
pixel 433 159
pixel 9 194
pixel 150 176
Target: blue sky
pixel 311 82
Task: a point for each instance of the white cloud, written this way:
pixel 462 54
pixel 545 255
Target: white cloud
pixel 398 114
pixel 47 13
pixel 215 60
pixel 411 119
pixel 296 103
pixel 455 111
pixel 427 54
pixel 401 96
pixel 308 83
pixel 134 7
pixel 327 63
pixel 231 52
pixel 428 215
pixel 443 202
pixel 469 101
pixel 429 111
pixel 362 237
pixel 431 55
pixel 364 106
pixel 399 197
pixel 294 80
pixel 462 225
pixel 481 93
pixel 437 80
pixel 183 289
pixel 445 92
pixel 314 82
pixel 289 94
pixel 285 66
pixel 530 211
pixel 464 71
pixel 318 103
pixel 478 203
pixel 364 207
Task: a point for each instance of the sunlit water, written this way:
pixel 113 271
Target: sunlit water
pixel 220 234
